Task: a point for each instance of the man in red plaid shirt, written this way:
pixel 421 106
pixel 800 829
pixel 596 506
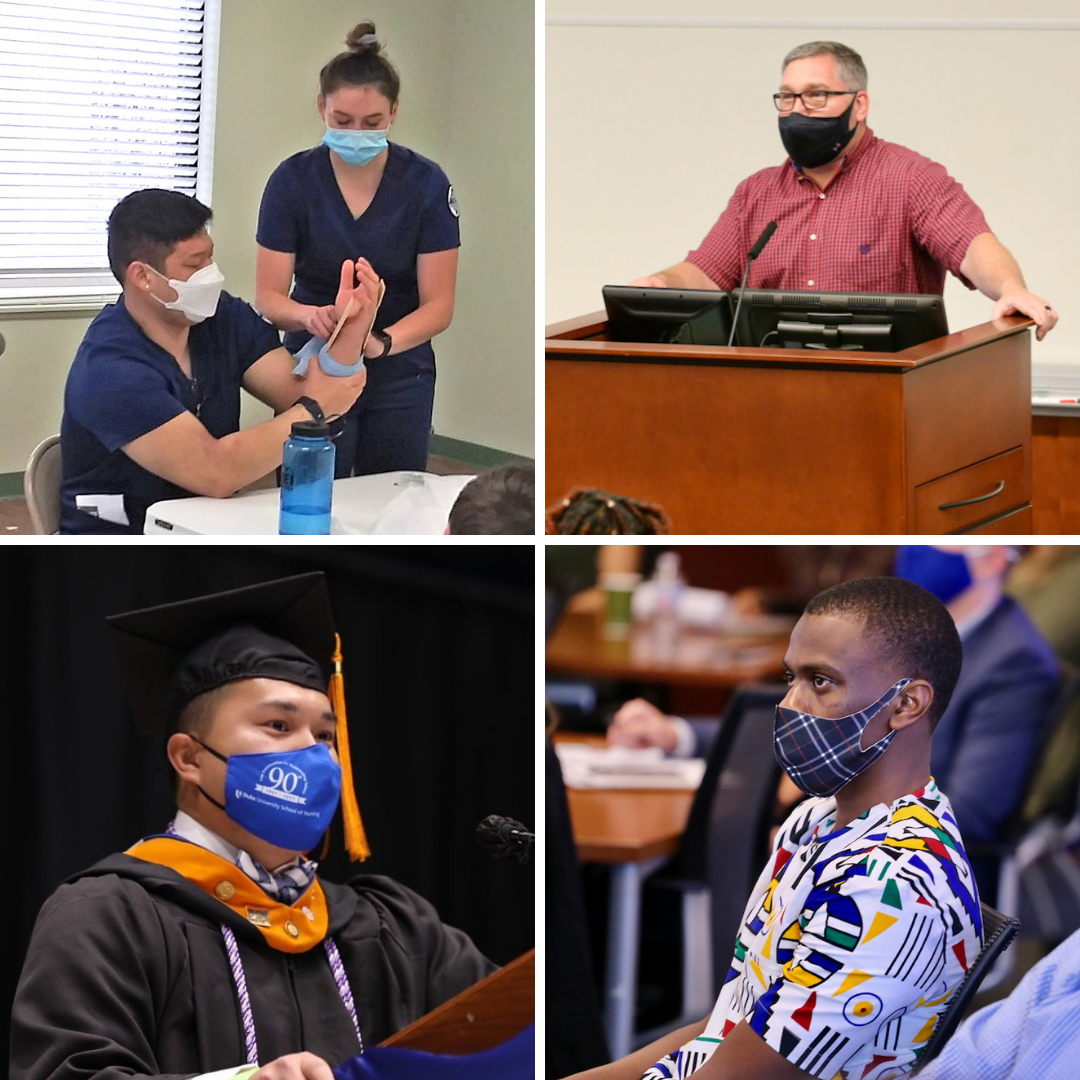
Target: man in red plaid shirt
pixel 854 213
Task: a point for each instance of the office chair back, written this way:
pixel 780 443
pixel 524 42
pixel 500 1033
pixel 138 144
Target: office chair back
pixel 726 840
pixel 576 1033
pixel 998 933
pixel 41 486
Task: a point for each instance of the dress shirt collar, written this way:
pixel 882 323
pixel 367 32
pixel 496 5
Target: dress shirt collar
pixel 185 826
pixel 966 626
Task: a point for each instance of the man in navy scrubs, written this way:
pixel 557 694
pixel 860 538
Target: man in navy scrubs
pixel 152 403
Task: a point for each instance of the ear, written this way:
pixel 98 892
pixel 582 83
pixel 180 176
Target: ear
pixel 862 106
pixel 320 105
pixel 138 276
pixel 393 112
pixel 911 705
pixel 183 753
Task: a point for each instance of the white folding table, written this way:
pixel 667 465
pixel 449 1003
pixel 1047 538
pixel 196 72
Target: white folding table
pixel 386 504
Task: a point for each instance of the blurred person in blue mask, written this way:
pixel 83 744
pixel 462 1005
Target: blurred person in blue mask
pixel 986 741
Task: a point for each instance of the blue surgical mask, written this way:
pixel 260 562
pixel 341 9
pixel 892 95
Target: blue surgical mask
pixel 355 147
pixel 286 798
pixel 944 573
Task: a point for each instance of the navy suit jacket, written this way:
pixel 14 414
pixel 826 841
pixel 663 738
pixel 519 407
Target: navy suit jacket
pixel 984 744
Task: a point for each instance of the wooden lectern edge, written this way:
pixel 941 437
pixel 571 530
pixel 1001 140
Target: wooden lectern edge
pixel 567 339
pixel 481 1017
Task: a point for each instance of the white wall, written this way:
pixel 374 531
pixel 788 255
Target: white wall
pixel 467 75
pixel 649 129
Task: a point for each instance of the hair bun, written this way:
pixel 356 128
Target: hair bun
pixel 362 38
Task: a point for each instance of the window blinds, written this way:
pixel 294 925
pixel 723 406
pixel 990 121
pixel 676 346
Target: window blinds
pixel 98 98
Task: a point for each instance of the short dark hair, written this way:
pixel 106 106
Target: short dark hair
pixel 913 627
pixel 499 502
pixel 146 225
pixel 363 64
pixel 196 718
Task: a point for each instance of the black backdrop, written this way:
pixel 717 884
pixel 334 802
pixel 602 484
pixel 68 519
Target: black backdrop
pixel 439 672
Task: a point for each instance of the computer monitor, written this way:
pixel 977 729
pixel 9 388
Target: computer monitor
pixel 874 322
pixel 668 316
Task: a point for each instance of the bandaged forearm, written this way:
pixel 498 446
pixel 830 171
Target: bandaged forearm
pixel 318 347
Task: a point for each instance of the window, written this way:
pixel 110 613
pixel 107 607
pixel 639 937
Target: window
pixel 98 98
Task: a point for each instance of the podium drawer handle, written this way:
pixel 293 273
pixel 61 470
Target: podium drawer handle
pixel 978 498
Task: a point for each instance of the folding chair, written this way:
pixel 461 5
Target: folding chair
pixel 41 486
pixel 998 933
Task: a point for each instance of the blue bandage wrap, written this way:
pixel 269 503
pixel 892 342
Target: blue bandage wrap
pixel 317 347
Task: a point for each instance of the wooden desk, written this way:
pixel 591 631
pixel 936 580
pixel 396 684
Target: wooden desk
pixel 634 833
pixel 694 658
pixel 1055 451
pixel 627 826
pixel 934 439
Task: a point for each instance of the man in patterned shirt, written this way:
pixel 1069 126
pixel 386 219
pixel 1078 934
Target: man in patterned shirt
pixel 853 212
pixel 866 917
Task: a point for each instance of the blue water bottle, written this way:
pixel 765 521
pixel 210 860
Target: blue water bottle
pixel 307 479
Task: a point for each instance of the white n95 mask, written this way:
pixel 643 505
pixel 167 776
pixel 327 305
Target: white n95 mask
pixel 197 297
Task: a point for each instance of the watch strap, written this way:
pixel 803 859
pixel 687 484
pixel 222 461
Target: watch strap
pixel 312 407
pixel 386 339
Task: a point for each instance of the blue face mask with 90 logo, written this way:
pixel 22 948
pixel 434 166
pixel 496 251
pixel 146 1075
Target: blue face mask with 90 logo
pixel 286 798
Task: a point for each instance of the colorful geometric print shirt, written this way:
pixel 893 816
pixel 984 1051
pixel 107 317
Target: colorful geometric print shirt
pixel 852 942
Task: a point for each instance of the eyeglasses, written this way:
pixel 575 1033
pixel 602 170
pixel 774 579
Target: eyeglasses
pixel 811 99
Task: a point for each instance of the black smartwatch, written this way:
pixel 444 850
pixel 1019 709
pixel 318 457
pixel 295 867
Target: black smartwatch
pixel 312 407
pixel 384 337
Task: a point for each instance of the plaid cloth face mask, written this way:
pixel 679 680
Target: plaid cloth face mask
pixel 820 754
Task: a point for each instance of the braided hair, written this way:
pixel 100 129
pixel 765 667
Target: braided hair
pixel 586 511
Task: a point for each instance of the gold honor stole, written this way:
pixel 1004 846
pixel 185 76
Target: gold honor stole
pixel 289 929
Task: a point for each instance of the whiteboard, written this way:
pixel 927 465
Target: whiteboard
pixel 654 113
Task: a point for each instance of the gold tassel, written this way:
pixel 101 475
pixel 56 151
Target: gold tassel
pixel 356 843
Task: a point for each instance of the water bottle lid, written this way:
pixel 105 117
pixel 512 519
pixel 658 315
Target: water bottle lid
pixel 311 429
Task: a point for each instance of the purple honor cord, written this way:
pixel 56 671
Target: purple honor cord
pixel 251 1045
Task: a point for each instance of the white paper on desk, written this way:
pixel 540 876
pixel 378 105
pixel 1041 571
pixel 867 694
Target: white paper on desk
pixel 413 510
pixel 620 767
pixel 422 505
pixel 697 607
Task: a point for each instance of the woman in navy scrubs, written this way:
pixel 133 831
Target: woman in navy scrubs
pixel 358 195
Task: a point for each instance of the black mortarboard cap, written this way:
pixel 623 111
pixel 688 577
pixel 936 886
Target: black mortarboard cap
pixel 280 629
pixel 170 654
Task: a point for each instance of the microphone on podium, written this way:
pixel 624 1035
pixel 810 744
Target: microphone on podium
pixel 503 836
pixel 755 251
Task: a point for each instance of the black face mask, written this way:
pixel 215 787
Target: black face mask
pixel 815 140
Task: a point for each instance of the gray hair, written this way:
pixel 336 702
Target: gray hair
pixel 849 64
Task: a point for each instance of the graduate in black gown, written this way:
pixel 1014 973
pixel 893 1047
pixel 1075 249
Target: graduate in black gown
pixel 215 947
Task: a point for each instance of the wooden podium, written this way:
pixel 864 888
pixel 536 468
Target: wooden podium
pixel 934 439
pixel 482 1017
